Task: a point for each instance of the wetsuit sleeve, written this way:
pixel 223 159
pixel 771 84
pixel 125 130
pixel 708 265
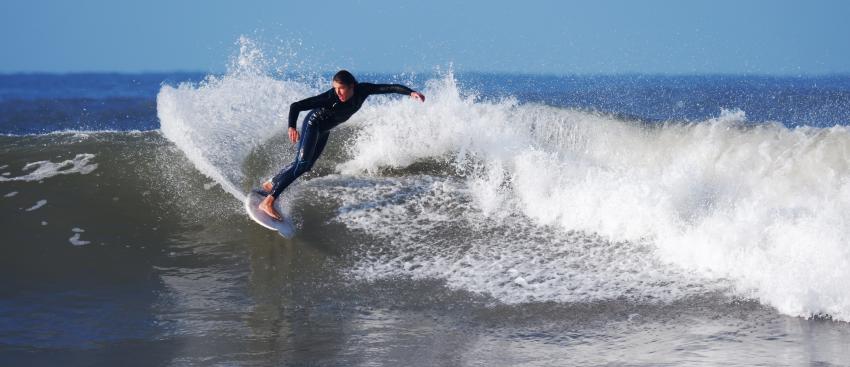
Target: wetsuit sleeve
pixel 386 88
pixel 295 108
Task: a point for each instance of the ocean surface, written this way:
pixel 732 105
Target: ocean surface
pixel 510 220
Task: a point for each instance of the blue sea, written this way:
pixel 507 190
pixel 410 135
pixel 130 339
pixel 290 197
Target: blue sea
pixel 533 220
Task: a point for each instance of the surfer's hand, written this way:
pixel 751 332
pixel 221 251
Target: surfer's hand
pixel 418 96
pixel 293 135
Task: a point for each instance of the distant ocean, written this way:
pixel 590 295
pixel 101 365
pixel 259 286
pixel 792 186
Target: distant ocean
pixel 509 220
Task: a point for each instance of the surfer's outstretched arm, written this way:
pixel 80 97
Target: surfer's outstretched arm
pixel 391 88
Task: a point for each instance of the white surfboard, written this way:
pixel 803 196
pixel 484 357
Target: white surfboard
pixel 283 226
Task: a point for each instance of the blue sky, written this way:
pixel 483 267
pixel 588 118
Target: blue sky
pixel 552 37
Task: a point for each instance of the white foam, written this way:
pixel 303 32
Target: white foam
pixel 553 204
pixel 761 205
pixel 37 205
pixel 75 239
pixel 11 194
pixel 41 170
pixel 429 227
pixel 78 133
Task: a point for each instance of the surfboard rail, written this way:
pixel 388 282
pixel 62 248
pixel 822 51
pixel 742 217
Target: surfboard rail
pixel 284 226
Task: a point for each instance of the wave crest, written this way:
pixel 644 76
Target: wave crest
pixel 761 205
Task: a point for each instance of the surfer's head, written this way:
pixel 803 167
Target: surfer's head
pixel 343 84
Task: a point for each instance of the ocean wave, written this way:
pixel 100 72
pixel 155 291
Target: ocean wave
pixel 758 204
pixel 554 204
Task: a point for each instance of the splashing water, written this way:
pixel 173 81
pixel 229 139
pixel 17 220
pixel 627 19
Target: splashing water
pixel 219 122
pixel 552 204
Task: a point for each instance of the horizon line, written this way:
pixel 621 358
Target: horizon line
pixel 512 73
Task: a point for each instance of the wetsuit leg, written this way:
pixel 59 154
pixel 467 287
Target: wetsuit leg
pixel 320 147
pixel 312 143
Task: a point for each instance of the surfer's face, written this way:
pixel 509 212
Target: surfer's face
pixel 343 91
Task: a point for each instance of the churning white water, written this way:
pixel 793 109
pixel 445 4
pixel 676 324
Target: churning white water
pixel 544 203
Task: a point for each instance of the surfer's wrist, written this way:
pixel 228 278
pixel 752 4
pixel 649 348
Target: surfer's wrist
pixel 417 96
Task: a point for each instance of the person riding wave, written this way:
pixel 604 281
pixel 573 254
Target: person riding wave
pixel 327 110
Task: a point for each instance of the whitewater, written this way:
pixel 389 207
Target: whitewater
pixel 528 202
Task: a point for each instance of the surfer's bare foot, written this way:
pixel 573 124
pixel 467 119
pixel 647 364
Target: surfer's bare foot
pixel 267 186
pixel 267 206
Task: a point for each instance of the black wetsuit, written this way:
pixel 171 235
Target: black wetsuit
pixel 335 112
pixel 326 113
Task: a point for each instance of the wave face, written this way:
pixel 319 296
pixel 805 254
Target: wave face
pixel 527 202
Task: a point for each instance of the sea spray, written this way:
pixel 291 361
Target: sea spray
pixel 758 204
pixel 220 121
pixel 553 204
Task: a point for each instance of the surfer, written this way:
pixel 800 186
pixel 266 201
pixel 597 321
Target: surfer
pixel 327 110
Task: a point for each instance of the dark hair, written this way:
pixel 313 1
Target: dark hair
pixel 344 77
